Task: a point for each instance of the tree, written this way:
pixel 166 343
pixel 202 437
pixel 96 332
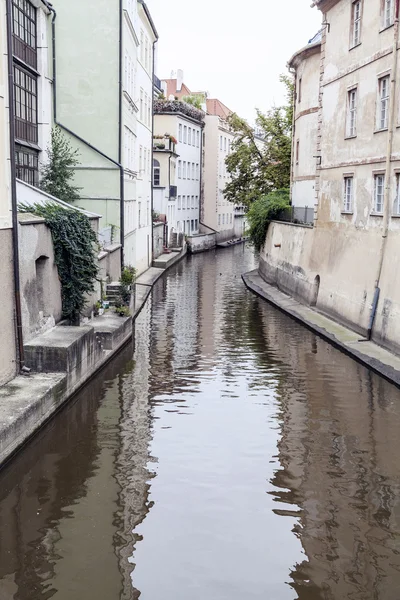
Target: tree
pixel 262 211
pixel 259 164
pixel 58 173
pixel 195 100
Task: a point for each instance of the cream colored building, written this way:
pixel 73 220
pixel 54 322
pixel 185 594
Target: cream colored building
pixel 216 212
pixel 350 261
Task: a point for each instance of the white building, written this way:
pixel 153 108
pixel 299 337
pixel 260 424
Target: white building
pixel 217 212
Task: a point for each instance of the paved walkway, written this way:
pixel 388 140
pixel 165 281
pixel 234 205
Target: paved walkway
pixel 370 354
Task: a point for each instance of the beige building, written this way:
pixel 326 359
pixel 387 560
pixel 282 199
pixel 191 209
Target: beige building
pixel 348 264
pixel 216 212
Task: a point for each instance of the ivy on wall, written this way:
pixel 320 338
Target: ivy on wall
pixel 75 245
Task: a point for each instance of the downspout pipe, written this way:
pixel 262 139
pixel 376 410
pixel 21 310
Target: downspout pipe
pixel 14 201
pixel 152 153
pixel 389 148
pixel 118 162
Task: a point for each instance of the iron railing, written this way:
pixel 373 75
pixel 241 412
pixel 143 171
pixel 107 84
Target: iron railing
pixel 302 215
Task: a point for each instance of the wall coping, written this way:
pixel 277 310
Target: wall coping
pixel 294 224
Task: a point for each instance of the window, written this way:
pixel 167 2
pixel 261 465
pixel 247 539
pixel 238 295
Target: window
pixel 192 170
pixel 229 146
pixel 299 90
pixel 383 104
pixel 179 169
pixel 197 203
pixel 183 202
pixel 198 139
pixel 190 136
pixel 352 113
pixel 129 76
pixel 179 202
pixel 220 142
pixel 144 119
pixel 184 169
pixel 231 218
pixel 396 208
pixel 297 151
pixel 192 201
pixel 185 135
pixel 25 90
pixel 27 165
pixel 141 46
pixel 192 225
pixel 141 104
pixel 388 13
pixel 156 172
pixel 219 219
pixel 223 219
pixel 196 225
pixel 146 53
pixel 149 113
pixel 356 22
pixel 379 187
pixel 139 214
pixel 224 144
pixel 180 133
pixel 140 160
pixel 348 194
pixel 24 32
pixel 197 171
pixel 145 160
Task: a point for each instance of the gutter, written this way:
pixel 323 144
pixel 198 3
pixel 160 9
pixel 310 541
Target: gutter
pixel 389 148
pixel 78 137
pixel 14 202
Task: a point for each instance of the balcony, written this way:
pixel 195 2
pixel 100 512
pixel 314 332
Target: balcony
pixel 164 143
pixel 299 215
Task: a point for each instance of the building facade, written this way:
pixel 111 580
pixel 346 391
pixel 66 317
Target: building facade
pixel 107 112
pixel 347 265
pixel 216 212
pixel 185 123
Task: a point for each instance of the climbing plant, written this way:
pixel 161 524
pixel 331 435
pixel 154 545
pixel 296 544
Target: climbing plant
pixel 75 254
pixel 262 211
pixel 58 173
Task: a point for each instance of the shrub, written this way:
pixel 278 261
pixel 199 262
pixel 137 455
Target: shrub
pixel 262 212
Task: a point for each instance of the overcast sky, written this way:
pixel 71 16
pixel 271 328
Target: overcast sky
pixel 233 50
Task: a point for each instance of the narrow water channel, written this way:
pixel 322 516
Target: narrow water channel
pixel 227 454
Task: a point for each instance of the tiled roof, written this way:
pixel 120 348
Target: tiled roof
pixel 217 108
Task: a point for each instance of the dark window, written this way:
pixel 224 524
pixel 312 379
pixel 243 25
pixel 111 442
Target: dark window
pixel 299 90
pixel 156 173
pixel 24 31
pixel 27 165
pixel 25 90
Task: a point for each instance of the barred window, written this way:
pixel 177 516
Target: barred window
pixel 25 92
pixel 27 165
pixel 25 31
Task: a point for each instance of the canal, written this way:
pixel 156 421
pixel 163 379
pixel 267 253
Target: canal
pixel 228 453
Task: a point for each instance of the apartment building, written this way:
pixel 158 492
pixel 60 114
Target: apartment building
pixel 347 265
pixel 104 87
pixel 185 123
pixel 216 212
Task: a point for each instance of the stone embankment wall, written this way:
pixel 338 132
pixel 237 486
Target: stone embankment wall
pixel 335 269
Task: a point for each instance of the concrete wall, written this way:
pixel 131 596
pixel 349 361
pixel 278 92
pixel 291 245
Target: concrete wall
pixel 239 226
pixel 40 285
pixel 158 239
pixel 201 242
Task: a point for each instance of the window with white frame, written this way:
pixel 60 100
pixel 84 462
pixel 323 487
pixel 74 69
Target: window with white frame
pixel 197 202
pixel 223 219
pixel 145 160
pixel 180 133
pixel 383 103
pixel 141 46
pixel 193 202
pixel 396 205
pixel 224 144
pixel 193 171
pixel 149 113
pixel 129 76
pixel 190 136
pixel 348 194
pixel 185 135
pixel 141 104
pixel 198 139
pixel 379 190
pixel 183 202
pixel 220 142
pixel 179 202
pixel 356 22
pixel 139 214
pixel 219 219
pixel 388 13
pixel 146 100
pixel 352 113
pixel 197 171
pixel 196 225
pixel 179 169
pixel 184 170
pixel 129 144
pixel 156 172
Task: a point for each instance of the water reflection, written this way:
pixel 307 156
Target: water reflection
pixel 229 454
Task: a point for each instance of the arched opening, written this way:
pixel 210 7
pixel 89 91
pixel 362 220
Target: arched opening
pixel 41 266
pixel 156 172
pixel 315 291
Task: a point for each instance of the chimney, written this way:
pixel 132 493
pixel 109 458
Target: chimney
pixel 179 80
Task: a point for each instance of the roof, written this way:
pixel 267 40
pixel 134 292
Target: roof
pixel 313 47
pixel 172 91
pixel 217 108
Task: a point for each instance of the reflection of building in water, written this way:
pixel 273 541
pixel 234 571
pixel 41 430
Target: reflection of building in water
pixel 338 454
pixel 63 490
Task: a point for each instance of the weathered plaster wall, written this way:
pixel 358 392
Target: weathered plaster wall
pixel 201 242
pixel 158 239
pixel 7 319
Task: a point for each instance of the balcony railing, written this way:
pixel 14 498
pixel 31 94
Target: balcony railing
pixel 164 143
pixel 301 215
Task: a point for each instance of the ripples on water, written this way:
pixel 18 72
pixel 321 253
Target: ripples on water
pixel 228 453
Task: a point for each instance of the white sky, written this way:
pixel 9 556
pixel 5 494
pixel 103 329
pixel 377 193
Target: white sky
pixel 234 50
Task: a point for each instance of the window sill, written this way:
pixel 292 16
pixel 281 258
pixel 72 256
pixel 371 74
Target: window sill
pixel 386 28
pixel 396 216
pixel 347 212
pixel 376 214
pixel 354 46
pixel 350 137
pixel 380 130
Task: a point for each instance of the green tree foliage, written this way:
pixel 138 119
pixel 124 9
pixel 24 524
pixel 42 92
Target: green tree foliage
pixel 259 166
pixel 262 211
pixel 195 100
pixel 58 173
pixel 74 244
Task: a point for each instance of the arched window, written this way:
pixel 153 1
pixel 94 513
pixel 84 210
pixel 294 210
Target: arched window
pixel 156 172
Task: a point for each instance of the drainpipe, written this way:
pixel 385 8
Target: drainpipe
pixel 293 72
pixel 78 137
pixel 152 152
pixel 14 201
pixel 389 147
